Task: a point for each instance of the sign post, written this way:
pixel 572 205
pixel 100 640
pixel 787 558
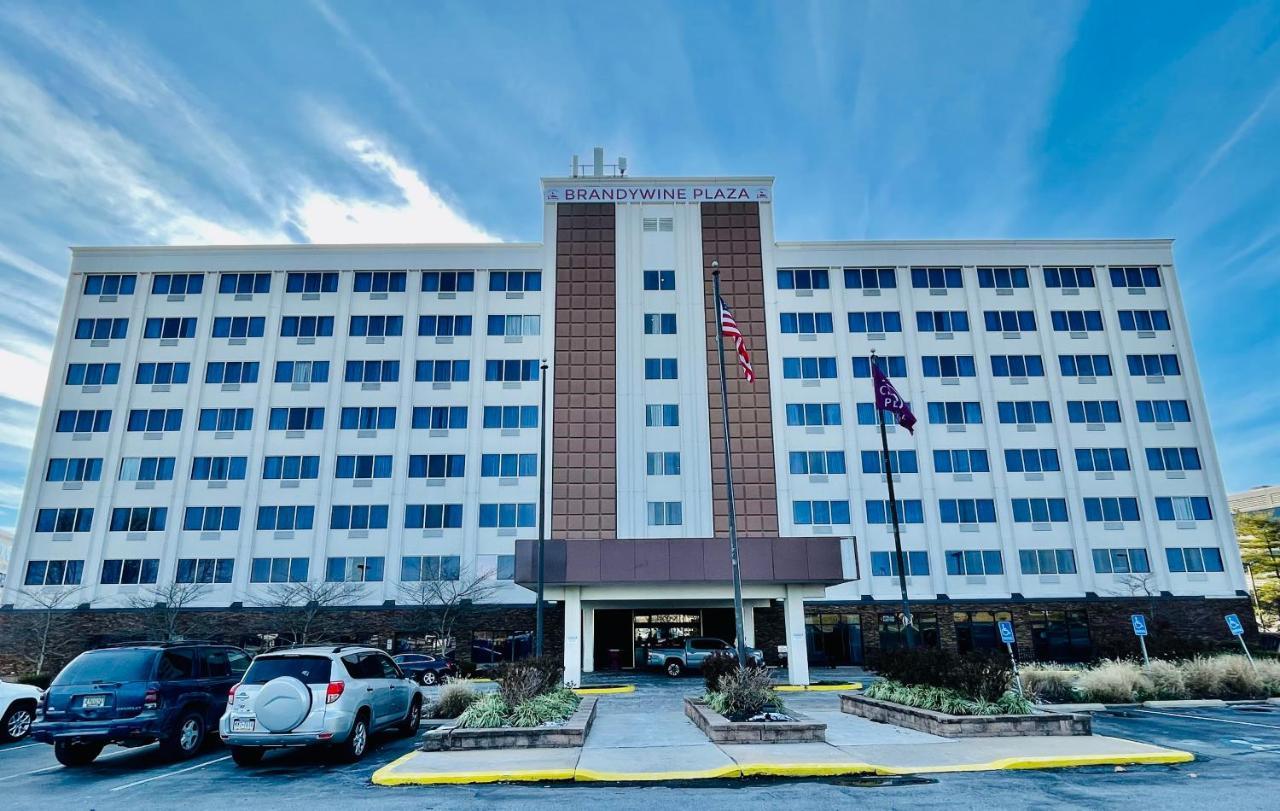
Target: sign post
pixel 1140 631
pixel 1237 630
pixel 1006 636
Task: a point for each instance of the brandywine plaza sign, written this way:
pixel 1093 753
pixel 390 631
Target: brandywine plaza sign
pixel 574 192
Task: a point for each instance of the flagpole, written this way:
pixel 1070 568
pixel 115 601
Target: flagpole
pixel 728 470
pixel 893 512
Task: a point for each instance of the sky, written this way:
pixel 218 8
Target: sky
pixel 126 123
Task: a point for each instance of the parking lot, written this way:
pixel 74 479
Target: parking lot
pixel 1237 749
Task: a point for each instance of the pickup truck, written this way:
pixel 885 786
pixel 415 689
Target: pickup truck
pixel 690 653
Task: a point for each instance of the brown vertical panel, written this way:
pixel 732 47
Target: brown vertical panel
pixel 584 489
pixel 731 235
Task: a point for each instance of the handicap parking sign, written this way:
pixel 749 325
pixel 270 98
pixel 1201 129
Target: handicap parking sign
pixel 1139 625
pixel 1006 632
pixel 1233 622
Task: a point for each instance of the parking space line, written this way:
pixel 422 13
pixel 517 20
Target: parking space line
pixel 16 748
pixel 1210 720
pixel 26 774
pixel 171 774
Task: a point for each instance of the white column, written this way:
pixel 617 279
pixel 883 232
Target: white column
pixel 797 647
pixel 572 635
pixel 749 624
pixel 588 639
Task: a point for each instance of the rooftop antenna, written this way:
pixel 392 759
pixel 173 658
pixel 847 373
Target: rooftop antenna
pixel 576 167
pixel 622 166
pixel 598 161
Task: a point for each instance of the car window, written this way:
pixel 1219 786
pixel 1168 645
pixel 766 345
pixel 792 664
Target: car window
pixel 306 669
pixel 239 663
pixel 177 663
pixel 216 663
pixel 355 665
pixel 388 667
pixel 118 664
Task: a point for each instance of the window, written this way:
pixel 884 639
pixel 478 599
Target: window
pixel 869 279
pixel 893 637
pixel 892 365
pixel 1024 412
pixel 358 516
pixel 1061 636
pixel 227 419
pixel 306 326
pixel 279 570
pixel 961 461
pixel 663 323
pixel 1163 411
pixel 943 321
pixel 949 366
pixel 507 516
pixel 75 469
pixel 426 568
pixel 171 328
pixel 1153 365
pixel 1076 320
pixel 244 283
pixel 284 518
pixel 955 413
pixel 1039 510
pixel 808 368
pixel 820 512
pixel 165 374
pixel 1194 559
pixel 129 571
pixel 366 418
pixel 100 374
pixel 442 417
pixel 901 462
pixel 974 563
pixel 967 510
pixel 1173 459
pixel 1085 365
pixel 101 329
pixel 506 568
pixel 83 422
pixel 154 419
pixel 1144 320
pixel 1111 509
pixel 979 630
pixel 805 323
pixel 1068 277
pixel 433 516
pixel 1183 508
pixel 1032 460
pixel 442 371
pixel 867 415
pixel 813 414
pixel 658 224
pixel 803 279
pixel 205 570
pixel 510 416
pixel 231 372
pixel 1047 561
pixel 1017 366
pixel 314 282
pixel 659 280
pixel 302 371
pixel 177 284
pixel 211 519
pixel 437 465
pixel 817 463
pixel 1121 561
pixel 373 371
pixel 662 463
pixel 1093 411
pixel 936 278
pixel 1135 277
pixel 910 511
pixel 115 284
pixel 53 573
pixel 662 415
pixel 665 513
pixel 219 468
pixel 1009 320
pixel 885 564
pixel 512 465
pixel 448 281
pixel 515 281
pixel 295 419
pixel 147 469
pixel 510 371
pixel 379 281
pixel 513 326
pixel 1102 460
pixel 64 519
pixel 291 467
pixel 659 369
pixel 879 321
pixel 354 569
pixel 1002 278
pixel 448 326
pixel 365 466
pixel 376 326
pixel 138 519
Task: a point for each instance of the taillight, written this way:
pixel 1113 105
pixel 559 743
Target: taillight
pixel 151 700
pixel 334 692
pixel 231 694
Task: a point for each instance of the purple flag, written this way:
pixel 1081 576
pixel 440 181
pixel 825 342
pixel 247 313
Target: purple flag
pixel 887 398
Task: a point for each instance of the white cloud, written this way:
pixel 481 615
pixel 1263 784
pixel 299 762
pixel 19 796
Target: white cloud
pixel 26 369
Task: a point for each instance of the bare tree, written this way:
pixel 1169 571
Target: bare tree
pixel 44 639
pixel 440 602
pixel 166 608
pixel 1143 585
pixel 303 605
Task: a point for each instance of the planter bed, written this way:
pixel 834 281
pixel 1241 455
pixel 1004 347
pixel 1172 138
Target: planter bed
pixel 573 732
pixel 964 726
pixel 719 729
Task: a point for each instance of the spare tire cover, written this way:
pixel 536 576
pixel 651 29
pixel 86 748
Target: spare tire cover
pixel 282 704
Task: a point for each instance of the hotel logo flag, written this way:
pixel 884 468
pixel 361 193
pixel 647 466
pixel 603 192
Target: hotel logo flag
pixel 888 399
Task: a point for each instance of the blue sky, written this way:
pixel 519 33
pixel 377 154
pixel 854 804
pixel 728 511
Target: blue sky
pixel 197 122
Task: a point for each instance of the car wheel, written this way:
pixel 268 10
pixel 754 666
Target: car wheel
pixel 413 719
pixel 353 748
pixel 429 678
pixel 16 723
pixel 76 754
pixel 674 669
pixel 246 755
pixel 187 737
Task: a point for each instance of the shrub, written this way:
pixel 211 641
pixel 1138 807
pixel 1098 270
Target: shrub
pixel 1269 671
pixel 528 678
pixel 454 699
pixel 976 675
pixel 743 693
pixel 489 710
pixel 1050 683
pixel 1239 679
pixel 942 699
pixel 40 680
pixel 1113 682
pixel 1202 677
pixel 1166 679
pixel 715 666
pixel 546 708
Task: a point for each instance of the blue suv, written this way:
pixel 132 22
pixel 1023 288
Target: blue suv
pixel 135 694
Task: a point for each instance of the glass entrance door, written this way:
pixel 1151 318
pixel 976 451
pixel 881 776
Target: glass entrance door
pixel 834 639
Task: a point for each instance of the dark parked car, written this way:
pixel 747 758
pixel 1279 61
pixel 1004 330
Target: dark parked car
pixel 426 669
pixel 171 692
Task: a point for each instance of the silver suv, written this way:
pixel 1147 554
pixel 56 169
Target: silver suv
pixel 318 695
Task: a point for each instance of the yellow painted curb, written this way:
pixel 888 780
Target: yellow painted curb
pixel 605 691
pixel 593 776
pixel 1051 762
pixel 386 777
pixel 817 688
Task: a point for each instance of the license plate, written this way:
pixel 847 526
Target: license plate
pixel 242 725
pixel 91 702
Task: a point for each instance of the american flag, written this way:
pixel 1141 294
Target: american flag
pixel 729 328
